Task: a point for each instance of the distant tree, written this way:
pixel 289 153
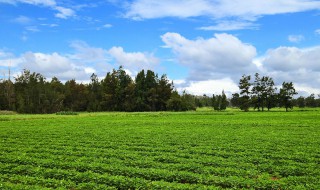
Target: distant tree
pixel 311 101
pixel 257 92
pixel 235 100
pixel 270 93
pixel 30 91
pixel 95 94
pixel 151 90
pixel 217 103
pixel 220 102
pixel 109 87
pixel 213 100
pixel 76 96
pixel 301 102
pixel 175 102
pixel 56 95
pixel 224 101
pixel 187 102
pixel 244 86
pixel 164 90
pixel 7 96
pixel 140 92
pixel 287 91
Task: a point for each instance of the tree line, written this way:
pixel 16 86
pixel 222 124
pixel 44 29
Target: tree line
pixel 30 92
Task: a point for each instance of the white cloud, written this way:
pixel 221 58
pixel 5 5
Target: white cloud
pixel 133 61
pixel 107 26
pixel 149 9
pixel 214 58
pixel 295 38
pixel 208 87
pixel 7 59
pixel 63 12
pixel 22 20
pixel 88 54
pixel 245 9
pixel 292 59
pixel 32 2
pixel 32 29
pixel 300 66
pixel 79 65
pixel 240 13
pixel 230 25
pixel 317 31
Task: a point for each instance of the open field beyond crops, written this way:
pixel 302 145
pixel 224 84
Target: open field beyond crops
pixel 192 150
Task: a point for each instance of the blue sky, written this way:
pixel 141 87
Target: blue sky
pixel 204 46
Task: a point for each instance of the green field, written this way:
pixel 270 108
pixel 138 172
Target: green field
pixel 191 150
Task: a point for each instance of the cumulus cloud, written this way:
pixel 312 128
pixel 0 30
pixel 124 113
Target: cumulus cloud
pixel 292 59
pixel 294 64
pixel 207 87
pixel 54 65
pixel 81 63
pixel 64 13
pixel 214 58
pixel 295 38
pixel 133 61
pixel 88 54
pixel 246 9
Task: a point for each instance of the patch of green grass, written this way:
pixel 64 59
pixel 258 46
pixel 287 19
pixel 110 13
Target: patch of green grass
pixel 164 150
pixel 67 113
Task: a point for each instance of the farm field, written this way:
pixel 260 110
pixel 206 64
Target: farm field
pixel 166 150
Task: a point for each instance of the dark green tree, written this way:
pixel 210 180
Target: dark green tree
pixel 244 86
pixel 311 101
pixel 188 102
pixel 301 102
pixel 175 102
pixel 235 100
pixel 287 91
pixel 270 95
pixel 76 96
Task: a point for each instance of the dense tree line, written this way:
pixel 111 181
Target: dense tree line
pixel 262 94
pixel 31 93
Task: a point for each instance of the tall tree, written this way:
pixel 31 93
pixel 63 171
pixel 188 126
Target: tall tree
pixel 76 96
pixel 95 94
pixel 235 100
pixel 224 101
pixel 175 102
pixel 270 93
pixel 221 102
pixel 244 86
pixel 257 92
pixel 140 92
pixel 30 92
pixel 164 90
pixel 187 102
pixel 287 91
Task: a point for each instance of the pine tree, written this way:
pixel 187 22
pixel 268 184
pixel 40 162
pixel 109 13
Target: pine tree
pixel 244 86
